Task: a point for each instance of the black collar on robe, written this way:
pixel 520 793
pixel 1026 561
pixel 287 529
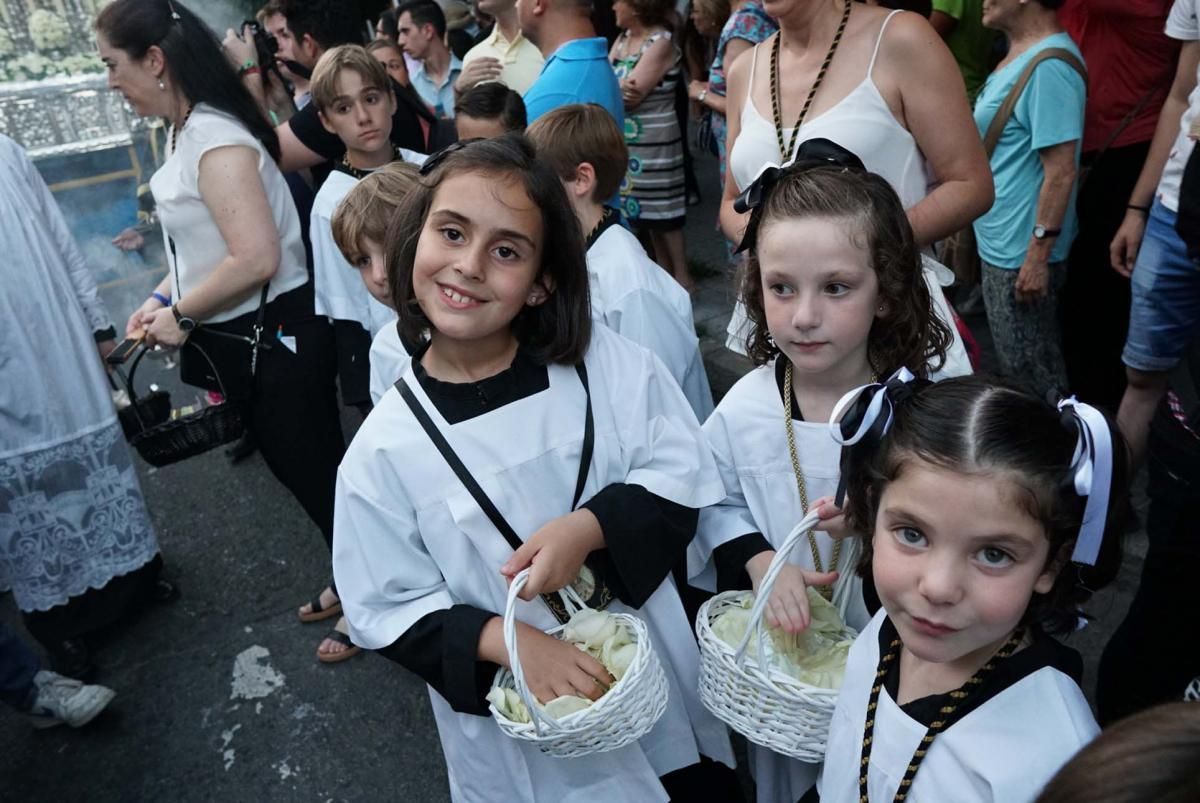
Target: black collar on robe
pixel 461 401
pixel 781 362
pixel 1043 652
pixel 607 221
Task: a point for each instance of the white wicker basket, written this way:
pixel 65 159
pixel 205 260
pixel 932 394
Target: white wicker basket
pixel 626 712
pixel 770 708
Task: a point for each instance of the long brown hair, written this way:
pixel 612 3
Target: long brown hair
pixel 909 334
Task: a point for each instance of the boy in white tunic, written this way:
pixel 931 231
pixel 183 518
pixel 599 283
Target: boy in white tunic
pixel 359 228
pixel 485 257
pixel 826 318
pixel 630 293
pixel 980 497
pixel 353 95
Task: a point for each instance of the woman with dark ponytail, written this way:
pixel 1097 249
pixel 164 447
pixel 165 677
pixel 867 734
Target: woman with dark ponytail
pixel 236 260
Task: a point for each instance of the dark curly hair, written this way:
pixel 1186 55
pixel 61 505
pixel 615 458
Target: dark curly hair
pixel 985 426
pixel 909 334
pixel 556 331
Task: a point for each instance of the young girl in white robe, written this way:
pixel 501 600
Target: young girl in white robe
pixel 991 515
pixel 486 257
pixel 833 286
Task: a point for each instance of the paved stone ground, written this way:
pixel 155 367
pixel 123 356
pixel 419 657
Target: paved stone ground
pixel 220 696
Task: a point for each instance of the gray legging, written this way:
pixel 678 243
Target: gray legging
pixel 1027 335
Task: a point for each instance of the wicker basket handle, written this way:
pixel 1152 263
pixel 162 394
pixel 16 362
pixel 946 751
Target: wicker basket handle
pixel 780 560
pixel 142 351
pixel 573 604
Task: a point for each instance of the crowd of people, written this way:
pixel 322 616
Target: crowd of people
pixel 476 241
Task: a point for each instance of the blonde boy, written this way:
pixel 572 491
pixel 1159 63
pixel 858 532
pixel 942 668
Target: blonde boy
pixel 630 293
pixel 359 227
pixel 353 97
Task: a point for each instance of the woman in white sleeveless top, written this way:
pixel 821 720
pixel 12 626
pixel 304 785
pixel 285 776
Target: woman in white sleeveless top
pixel 892 95
pixel 235 254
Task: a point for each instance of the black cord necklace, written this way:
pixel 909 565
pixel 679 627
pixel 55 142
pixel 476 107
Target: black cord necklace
pixel 360 172
pixel 946 713
pixel 175 131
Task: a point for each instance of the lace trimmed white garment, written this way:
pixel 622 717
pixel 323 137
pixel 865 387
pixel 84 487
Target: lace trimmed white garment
pixel 72 516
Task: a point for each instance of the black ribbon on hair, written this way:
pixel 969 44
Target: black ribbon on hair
pixel 862 418
pixel 436 159
pixel 812 153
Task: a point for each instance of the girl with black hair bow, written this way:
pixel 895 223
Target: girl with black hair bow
pixel 834 292
pixel 991 516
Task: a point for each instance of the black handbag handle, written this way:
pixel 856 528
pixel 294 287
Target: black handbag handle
pixel 468 481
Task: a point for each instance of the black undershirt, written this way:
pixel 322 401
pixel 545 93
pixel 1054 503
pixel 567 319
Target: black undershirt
pixel 1043 652
pixel 609 219
pixel 406 128
pixel 644 534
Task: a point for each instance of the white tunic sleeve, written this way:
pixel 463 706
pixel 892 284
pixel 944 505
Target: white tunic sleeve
pixel 82 280
pixel 726 520
pixel 664 446
pixel 386 579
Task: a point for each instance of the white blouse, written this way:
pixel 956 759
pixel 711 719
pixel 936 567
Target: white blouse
pixel 199 246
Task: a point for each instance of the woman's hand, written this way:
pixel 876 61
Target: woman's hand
pixel 162 330
pixel 556 668
pixel 1125 245
pixel 555 553
pixel 142 316
pixel 1033 281
pixel 788 606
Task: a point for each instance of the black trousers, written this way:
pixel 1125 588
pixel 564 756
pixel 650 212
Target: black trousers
pixel 291 399
pixel 1094 305
pixel 1154 653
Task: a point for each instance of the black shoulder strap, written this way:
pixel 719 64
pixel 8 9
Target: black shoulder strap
pixel 468 481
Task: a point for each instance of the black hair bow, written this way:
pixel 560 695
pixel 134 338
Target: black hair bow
pixel 818 152
pixel 436 159
pixel 868 413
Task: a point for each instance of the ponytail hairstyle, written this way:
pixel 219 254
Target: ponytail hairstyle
pixel 193 55
pixel 555 331
pixel 828 181
pixel 987 427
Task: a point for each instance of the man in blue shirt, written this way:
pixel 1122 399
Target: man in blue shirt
pixel 577 68
pixel 422 35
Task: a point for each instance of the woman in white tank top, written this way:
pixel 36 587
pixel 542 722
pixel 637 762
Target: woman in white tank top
pixel 897 101
pixel 892 94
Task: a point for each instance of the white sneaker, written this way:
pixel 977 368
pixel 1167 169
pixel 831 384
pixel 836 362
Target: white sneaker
pixel 62 699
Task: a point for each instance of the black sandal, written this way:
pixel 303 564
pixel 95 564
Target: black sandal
pixel 337 657
pixel 318 613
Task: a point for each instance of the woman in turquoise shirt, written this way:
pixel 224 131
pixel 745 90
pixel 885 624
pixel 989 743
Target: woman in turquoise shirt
pixel 1025 238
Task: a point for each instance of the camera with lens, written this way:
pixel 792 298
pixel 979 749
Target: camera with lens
pixel 264 44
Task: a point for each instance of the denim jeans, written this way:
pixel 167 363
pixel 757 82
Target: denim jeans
pixel 1164 315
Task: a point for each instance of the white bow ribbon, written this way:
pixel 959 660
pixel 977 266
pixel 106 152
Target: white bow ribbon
pixel 1091 472
pixel 879 402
